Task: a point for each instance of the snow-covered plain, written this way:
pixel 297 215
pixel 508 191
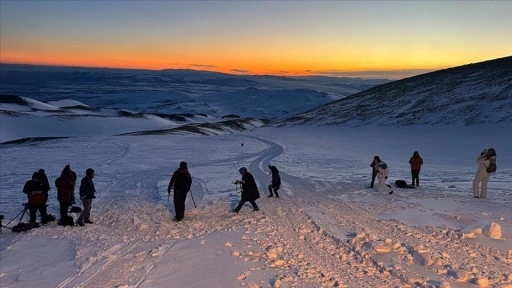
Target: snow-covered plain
pixel 328 229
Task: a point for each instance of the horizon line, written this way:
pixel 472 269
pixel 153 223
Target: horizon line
pixel 384 74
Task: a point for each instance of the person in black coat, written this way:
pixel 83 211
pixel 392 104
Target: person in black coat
pixel 87 193
pixel 249 190
pixel 44 180
pixel 276 181
pixel 181 181
pixel 37 197
pixel 72 177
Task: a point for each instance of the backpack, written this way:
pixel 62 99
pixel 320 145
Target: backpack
pixel 491 168
pixel 400 183
pixel 383 165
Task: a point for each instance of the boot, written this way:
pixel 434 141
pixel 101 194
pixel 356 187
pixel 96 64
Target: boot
pixel 277 195
pixel 270 191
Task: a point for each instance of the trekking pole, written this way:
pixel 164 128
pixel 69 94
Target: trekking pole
pixel 193 201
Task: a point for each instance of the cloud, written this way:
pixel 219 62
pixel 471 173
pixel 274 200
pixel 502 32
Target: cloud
pixel 240 71
pixel 207 66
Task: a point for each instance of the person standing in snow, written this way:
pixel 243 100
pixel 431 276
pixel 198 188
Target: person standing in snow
pixel 374 166
pixel 44 180
pixel 35 190
pixel 87 193
pixel 276 181
pixel 482 177
pixel 416 161
pixel 72 177
pixel 249 190
pixel 64 185
pixel 181 181
pixel 382 176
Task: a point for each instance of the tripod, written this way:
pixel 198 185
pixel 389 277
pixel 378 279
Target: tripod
pixel 22 213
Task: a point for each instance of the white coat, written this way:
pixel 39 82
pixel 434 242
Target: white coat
pixel 482 177
pixel 382 174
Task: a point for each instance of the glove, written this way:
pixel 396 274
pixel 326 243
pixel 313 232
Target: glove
pixel 386 177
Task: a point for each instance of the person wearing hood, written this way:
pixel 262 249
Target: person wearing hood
pixel 36 193
pixel 276 181
pixel 249 190
pixel 72 177
pixel 416 161
pixel 87 193
pixel 482 176
pixel 44 180
pixel 64 185
pixel 181 181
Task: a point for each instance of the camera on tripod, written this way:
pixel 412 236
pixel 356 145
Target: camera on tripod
pixel 25 205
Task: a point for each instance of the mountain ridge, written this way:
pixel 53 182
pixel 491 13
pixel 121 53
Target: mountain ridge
pixel 470 94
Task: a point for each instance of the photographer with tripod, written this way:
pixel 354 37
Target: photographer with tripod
pixel 35 190
pixel 249 190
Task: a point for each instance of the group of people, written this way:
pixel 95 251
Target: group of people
pixel 37 190
pixel 486 158
pixel 181 182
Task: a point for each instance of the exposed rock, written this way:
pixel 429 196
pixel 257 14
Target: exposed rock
pixel 482 282
pixel 493 230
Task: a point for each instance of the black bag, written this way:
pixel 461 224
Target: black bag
pixel 24 227
pixel 401 184
pixel 75 209
pixel 66 221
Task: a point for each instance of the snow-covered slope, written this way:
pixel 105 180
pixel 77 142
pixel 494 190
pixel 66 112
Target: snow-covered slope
pixel 471 94
pixel 168 101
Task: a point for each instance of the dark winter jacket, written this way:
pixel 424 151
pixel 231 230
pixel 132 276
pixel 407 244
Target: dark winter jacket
pixel 276 179
pixel 87 190
pixel 64 185
pixel 375 166
pixel 45 182
pixel 181 180
pixel 249 189
pixel 35 192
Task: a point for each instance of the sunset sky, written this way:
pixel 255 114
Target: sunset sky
pixel 340 38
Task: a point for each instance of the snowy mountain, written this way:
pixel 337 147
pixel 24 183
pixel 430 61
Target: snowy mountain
pixel 153 100
pixel 479 93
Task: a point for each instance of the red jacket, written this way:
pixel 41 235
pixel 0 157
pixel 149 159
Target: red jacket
pixel 35 192
pixel 416 163
pixel 64 188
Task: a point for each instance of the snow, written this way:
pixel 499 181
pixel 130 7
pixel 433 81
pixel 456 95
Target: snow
pixel 327 229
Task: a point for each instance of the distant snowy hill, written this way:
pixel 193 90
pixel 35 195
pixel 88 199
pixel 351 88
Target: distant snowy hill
pixel 479 93
pixel 92 101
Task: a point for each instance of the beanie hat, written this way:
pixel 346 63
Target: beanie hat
pixel 376 158
pixel 242 170
pixel 35 175
pixel 183 164
pixel 89 171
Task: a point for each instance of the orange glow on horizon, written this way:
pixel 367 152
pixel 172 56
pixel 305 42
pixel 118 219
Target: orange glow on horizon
pixel 231 65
